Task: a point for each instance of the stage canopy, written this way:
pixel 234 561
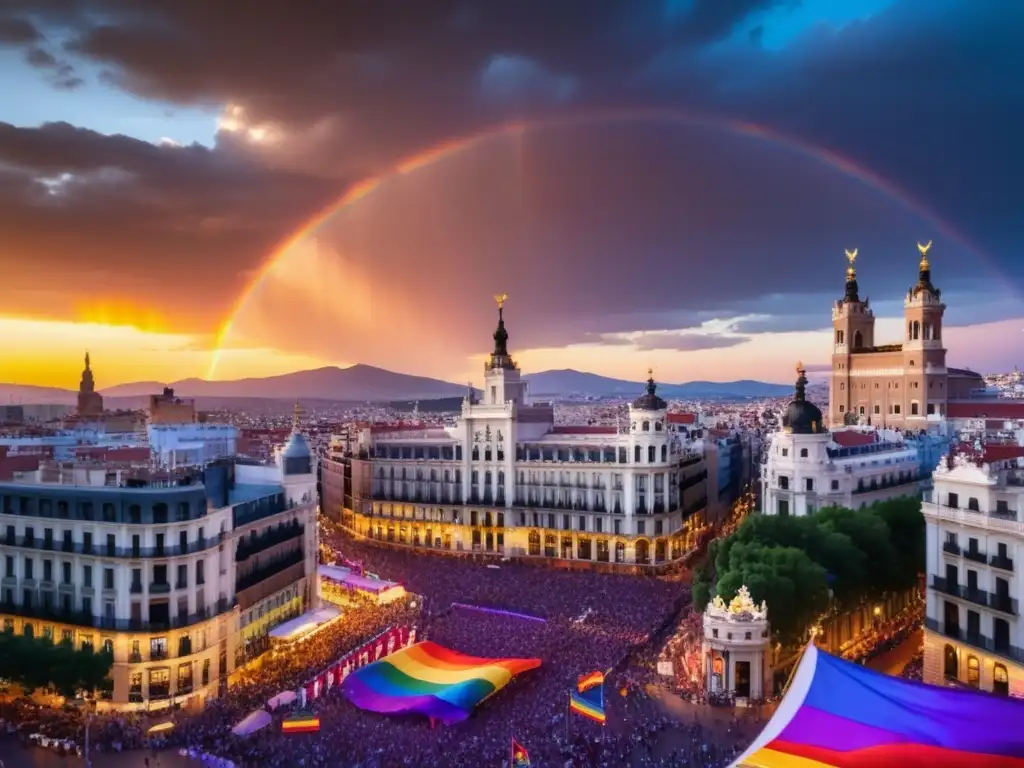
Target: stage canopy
pixel 383 591
pixel 305 625
pixel 431 680
pixel 842 715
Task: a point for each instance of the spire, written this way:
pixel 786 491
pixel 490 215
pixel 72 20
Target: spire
pixel 801 383
pixel 851 294
pixel 500 357
pixel 87 360
pixel 924 272
pixel 296 416
pixel 652 388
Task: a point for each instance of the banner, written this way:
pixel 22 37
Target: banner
pixel 384 644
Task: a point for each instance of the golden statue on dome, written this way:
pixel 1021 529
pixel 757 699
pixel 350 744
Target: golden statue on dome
pixel 500 299
pixel 924 253
pixel 851 256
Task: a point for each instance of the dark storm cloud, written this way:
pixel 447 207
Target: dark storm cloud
pixel 656 228
pixel 16 31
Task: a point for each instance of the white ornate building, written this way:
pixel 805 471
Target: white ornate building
pixel 169 571
pixel 737 647
pixel 975 543
pixel 505 480
pixel 807 467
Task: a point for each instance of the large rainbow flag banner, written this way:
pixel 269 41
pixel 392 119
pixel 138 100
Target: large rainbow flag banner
pixel 431 680
pixel 842 715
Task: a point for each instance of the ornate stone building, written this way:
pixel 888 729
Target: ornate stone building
pixel 737 647
pixel 905 385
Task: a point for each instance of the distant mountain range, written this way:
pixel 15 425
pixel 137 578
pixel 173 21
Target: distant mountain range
pixel 568 381
pixel 365 383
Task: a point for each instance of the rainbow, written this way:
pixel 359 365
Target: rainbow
pixel 430 680
pixel 842 715
pixel 301 722
pixel 455 146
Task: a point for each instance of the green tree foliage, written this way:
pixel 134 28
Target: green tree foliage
pixel 906 531
pixel 700 585
pixel 856 555
pixel 35 663
pixel 792 584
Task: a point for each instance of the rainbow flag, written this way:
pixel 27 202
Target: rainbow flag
pixel 431 680
pixel 520 757
pixel 589 704
pixel 842 715
pixel 301 722
pixel 586 682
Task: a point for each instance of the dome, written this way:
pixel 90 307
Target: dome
pixel 650 400
pixel 297 456
pixel 803 417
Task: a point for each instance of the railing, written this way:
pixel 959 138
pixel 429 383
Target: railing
pixel 254 545
pixel 977 640
pixel 1002 603
pixel 946 587
pixel 1004 563
pixel 80 619
pixel 951 547
pixel 998 521
pixel 78 547
pixel 262 572
pixel 975 555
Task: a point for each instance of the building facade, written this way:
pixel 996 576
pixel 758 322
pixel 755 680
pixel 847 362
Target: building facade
pixel 506 481
pixel 166 570
pixel 905 385
pixel 974 635
pixel 737 647
pixel 808 467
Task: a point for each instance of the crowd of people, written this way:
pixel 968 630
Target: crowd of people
pixel 885 636
pixel 611 623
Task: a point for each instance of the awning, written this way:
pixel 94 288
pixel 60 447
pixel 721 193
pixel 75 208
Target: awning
pixel 283 698
pixel 304 625
pixel 252 722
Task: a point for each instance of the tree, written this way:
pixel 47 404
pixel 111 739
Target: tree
pixel 793 586
pixel 870 535
pixel 700 585
pixel 33 663
pixel 906 526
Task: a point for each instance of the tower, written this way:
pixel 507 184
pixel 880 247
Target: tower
pixel 502 380
pixel 853 330
pixel 924 358
pixel 90 402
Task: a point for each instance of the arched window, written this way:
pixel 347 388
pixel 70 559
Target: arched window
pixel 858 340
pixel 636 455
pixel 646 426
pixel 664 453
pixel 1000 681
pixel 950 663
pixel 803 453
pixel 973 672
pixel 534 543
pixel 643 552
pixel 657 426
pixel 652 454
pixel 476 453
pixel 917 330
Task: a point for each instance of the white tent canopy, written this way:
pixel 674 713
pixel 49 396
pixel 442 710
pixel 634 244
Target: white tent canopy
pixel 252 722
pixel 284 697
pixel 304 625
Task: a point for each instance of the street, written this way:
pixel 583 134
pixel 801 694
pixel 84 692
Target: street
pixel 893 661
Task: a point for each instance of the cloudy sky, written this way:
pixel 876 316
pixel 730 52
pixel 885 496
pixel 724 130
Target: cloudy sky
pixel 197 188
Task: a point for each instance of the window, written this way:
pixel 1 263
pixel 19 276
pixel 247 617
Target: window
pixel 835 485
pixel 878 409
pixel 87 576
pixel 784 482
pixel 785 451
pixel 803 453
pixel 809 483
pixel 842 409
pixel 108 578
pixel 1000 681
pixel 973 672
pixel 914 407
pixel 896 408
pixel 783 507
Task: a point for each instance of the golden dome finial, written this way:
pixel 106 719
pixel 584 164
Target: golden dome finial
pixel 799 366
pixel 852 256
pixel 851 271
pixel 500 299
pixel 924 253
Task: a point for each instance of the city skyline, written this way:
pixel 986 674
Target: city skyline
pixel 666 203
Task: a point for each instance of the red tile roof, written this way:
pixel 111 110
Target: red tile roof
pixel 682 418
pixel 585 429
pixel 849 438
pixel 1002 452
pixel 982 409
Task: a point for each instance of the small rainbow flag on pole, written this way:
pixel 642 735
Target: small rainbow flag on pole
pixel 301 722
pixel 588 698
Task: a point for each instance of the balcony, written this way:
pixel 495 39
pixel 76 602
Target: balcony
pixel 975 595
pixel 1003 563
pixel 255 544
pixel 79 619
pixel 159 588
pixel 982 642
pixel 265 571
pixel 976 556
pixel 1003 521
pixel 1003 603
pixel 951 547
pixel 946 587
